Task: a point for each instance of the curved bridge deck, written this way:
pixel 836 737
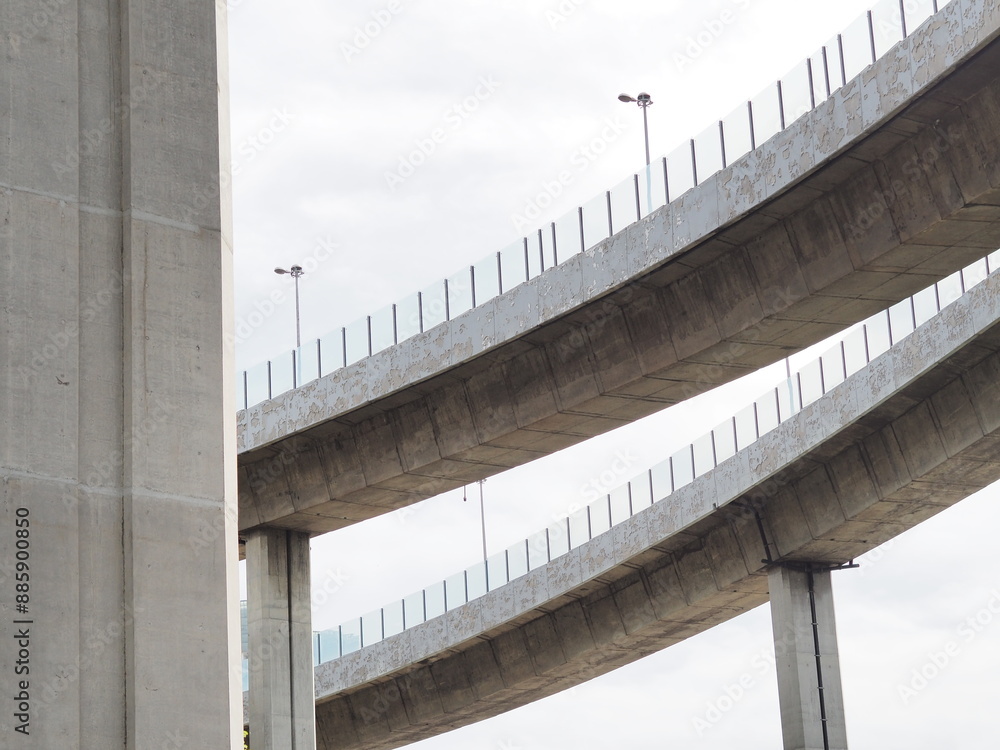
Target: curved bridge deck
pixel 887 186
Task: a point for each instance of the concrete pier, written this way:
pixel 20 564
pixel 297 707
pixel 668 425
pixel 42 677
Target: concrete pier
pixel 116 446
pixel 279 624
pixel 810 695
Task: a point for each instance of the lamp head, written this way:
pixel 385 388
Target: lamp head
pixel 626 98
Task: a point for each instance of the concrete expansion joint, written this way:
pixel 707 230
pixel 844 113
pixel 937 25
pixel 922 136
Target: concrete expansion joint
pixel 64 198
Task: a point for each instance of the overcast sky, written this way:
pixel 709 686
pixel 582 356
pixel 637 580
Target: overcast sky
pixel 330 103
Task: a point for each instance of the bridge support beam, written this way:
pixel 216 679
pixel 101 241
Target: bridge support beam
pixel 808 663
pixel 282 710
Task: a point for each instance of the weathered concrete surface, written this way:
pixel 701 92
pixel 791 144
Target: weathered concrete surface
pixel 915 432
pixel 279 626
pixel 115 437
pixel 810 694
pixel 888 186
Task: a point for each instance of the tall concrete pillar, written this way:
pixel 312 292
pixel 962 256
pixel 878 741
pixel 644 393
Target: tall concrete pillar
pixel 118 559
pixel 282 708
pixel 808 662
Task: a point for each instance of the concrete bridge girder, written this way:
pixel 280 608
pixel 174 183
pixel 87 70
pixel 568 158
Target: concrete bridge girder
pixel 894 446
pixel 878 228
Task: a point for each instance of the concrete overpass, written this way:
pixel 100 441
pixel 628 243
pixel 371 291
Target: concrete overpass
pixel 885 187
pixel 888 185
pixel 899 441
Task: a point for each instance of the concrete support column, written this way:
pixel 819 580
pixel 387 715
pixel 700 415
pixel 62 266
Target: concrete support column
pixel 118 494
pixel 279 623
pixel 808 662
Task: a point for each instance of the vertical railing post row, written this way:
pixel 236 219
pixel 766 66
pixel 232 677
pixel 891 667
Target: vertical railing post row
pixel 246 391
pixel 541 251
pixel 902 17
pixel 447 301
pixel 753 135
pixel 319 359
pixel 295 369
pixel 583 243
pixel 368 318
pixel 527 267
pixel 269 396
pixel 343 346
pixel 472 280
pixel 395 324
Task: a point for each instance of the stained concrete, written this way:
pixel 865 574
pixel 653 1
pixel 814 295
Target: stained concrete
pixel 279 628
pixel 116 436
pixel 900 441
pixel 886 187
pixel 807 659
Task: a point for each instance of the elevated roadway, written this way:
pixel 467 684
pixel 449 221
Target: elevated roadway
pixel 914 432
pixel 887 186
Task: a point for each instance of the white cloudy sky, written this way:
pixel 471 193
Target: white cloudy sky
pixel 323 112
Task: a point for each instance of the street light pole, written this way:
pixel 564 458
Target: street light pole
pixel 643 101
pixel 295 272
